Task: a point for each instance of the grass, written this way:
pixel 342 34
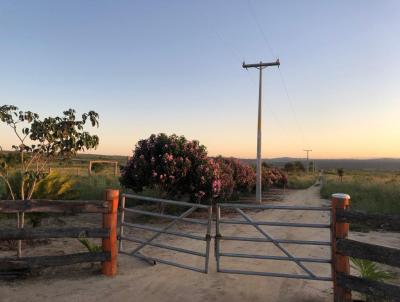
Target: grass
pixel 92 188
pixel 374 192
pixel 73 187
pixel 301 180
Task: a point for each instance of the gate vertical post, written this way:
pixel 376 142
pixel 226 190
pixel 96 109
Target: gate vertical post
pixel 340 230
pixel 109 244
pixel 121 226
pixel 217 235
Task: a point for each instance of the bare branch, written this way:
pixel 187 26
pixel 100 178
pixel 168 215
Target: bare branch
pixel 8 185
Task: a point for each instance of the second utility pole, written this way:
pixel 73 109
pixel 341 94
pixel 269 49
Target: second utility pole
pixel 259 66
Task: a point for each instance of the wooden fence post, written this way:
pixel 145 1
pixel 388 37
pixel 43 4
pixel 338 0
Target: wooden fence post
pixel 109 267
pixel 340 263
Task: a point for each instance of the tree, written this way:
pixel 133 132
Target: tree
pixel 289 167
pixel 340 173
pixel 296 166
pixel 41 140
pixel 299 167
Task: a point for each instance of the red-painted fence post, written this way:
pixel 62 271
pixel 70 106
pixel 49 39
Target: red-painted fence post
pixel 340 263
pixel 109 267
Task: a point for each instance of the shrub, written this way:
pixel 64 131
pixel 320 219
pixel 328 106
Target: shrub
pixel 56 186
pixel 296 166
pixel 243 176
pixel 273 177
pixel 174 166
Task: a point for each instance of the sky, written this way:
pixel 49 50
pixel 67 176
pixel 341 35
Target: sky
pixel 175 67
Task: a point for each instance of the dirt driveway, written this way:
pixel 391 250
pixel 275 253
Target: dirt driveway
pixel 137 281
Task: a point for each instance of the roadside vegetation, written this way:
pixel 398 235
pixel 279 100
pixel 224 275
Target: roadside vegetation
pixel 298 177
pixel 181 169
pixel 371 191
pixel 301 180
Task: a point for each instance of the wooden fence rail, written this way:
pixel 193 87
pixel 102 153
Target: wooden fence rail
pixel 361 250
pixel 42 233
pixel 368 287
pixel 384 222
pixel 47 261
pixel 53 206
pixel 17 266
pixel 343 248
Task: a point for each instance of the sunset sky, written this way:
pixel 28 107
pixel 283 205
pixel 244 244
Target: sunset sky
pixel 175 67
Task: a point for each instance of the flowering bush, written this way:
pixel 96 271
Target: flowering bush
pixel 273 177
pixel 174 165
pixel 178 167
pixel 242 175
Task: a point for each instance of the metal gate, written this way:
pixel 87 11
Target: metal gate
pixel 267 237
pixel 167 229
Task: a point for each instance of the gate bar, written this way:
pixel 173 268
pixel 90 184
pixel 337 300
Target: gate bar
pixel 164 246
pixel 288 241
pixel 147 258
pixel 292 276
pixel 286 252
pixel 273 207
pixel 275 223
pixel 192 220
pixel 158 230
pixel 153 199
pixel 169 225
pixel 317 260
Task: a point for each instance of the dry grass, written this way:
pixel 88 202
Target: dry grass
pixel 301 180
pixel 375 192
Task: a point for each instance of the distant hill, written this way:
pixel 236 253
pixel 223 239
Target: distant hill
pixel 384 164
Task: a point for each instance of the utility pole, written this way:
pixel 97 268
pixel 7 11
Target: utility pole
pixel 259 66
pixel 308 165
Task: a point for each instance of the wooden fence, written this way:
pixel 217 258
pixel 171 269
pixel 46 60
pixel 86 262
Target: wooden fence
pixel 344 248
pixel 11 267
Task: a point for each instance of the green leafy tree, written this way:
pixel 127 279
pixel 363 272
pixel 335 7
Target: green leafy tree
pixel 38 142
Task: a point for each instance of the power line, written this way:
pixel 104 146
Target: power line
pixel 251 79
pixel 234 54
pixel 251 9
pixel 268 44
pixel 291 106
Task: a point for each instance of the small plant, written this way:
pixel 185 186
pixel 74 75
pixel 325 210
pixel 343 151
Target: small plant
pixel 91 247
pixel 370 271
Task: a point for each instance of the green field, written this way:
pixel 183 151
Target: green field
pixel 371 191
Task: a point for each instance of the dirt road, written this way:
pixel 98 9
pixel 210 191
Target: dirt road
pixel 137 281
